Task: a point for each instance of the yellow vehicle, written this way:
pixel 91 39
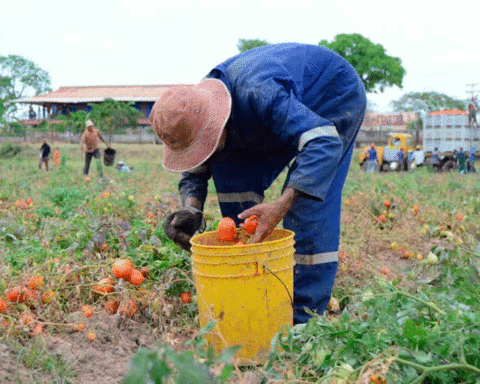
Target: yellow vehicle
pixel 386 155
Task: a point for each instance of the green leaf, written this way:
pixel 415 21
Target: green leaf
pixel 159 370
pixel 226 355
pixel 138 373
pixel 207 328
pixel 413 332
pixel 318 356
pixel 226 372
pixel 190 371
pixel 422 357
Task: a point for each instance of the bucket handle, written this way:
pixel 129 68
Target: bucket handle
pixel 284 285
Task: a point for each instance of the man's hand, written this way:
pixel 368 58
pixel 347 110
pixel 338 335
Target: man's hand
pixel 181 225
pixel 270 214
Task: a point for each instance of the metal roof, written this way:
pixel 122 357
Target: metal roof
pixel 90 94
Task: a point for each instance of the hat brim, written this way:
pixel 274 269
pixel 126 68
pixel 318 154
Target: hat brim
pixel 206 143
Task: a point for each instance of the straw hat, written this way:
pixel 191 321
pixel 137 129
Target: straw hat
pixel 89 123
pixel 190 121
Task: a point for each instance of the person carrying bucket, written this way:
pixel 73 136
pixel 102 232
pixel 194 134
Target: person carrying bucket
pixel 294 106
pixel 89 145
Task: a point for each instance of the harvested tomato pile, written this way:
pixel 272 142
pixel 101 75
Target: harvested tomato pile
pixel 229 233
pixel 26 306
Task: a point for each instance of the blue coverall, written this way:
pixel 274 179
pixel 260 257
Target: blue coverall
pixel 299 107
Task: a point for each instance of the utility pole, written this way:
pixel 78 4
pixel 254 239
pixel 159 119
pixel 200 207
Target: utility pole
pixel 472 92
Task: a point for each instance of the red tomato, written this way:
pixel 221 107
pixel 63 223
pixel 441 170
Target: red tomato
pixel 186 297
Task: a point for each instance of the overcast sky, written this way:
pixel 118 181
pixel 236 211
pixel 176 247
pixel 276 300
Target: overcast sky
pixel 107 42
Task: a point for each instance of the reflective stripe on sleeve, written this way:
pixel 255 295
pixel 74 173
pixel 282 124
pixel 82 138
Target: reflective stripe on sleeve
pixel 328 130
pixel 318 258
pixel 239 197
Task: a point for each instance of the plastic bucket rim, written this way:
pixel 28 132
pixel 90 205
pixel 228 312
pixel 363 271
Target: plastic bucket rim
pixel 291 235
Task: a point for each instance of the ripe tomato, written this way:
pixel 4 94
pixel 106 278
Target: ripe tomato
pixel 226 229
pixel 13 294
pixel 122 268
pixel 104 286
pixel 111 306
pixel 87 311
pixel 3 305
pixel 35 282
pixel 250 224
pixel 186 297
pixel 136 277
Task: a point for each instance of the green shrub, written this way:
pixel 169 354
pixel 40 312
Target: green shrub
pixel 8 150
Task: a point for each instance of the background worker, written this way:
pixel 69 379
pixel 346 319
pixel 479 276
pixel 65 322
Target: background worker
pixel 121 166
pixel 471 160
pixel 44 155
pixel 472 112
pixel 371 159
pixel 400 160
pixel 283 105
pixel 462 161
pixel 89 145
pixel 437 161
pixel 56 157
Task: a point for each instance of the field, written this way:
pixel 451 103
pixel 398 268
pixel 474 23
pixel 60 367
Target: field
pixel 405 306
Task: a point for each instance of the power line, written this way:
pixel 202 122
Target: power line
pixel 472 86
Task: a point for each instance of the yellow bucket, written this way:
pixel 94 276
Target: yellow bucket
pixel 248 289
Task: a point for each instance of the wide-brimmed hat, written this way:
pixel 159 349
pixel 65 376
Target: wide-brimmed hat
pixel 190 121
pixel 89 123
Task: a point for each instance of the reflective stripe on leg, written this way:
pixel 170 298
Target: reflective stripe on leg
pixel 319 258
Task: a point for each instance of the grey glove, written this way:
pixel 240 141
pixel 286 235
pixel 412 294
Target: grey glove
pixel 181 225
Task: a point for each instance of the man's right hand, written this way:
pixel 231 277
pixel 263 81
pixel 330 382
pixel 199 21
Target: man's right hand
pixel 181 225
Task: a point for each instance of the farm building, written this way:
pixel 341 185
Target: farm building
pixel 377 127
pixel 71 99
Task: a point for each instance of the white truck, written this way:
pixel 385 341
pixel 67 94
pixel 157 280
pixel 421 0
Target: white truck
pixel 445 132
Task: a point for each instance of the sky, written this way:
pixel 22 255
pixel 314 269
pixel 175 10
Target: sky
pixel 140 42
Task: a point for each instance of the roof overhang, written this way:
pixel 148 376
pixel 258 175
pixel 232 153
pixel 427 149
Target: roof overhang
pixel 81 100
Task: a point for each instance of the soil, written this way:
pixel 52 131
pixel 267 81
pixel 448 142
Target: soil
pixel 102 361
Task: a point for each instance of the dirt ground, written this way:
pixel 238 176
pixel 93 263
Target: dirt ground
pixel 102 361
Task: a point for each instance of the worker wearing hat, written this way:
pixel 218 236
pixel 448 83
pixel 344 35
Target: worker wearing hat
pixel 280 106
pixel 89 145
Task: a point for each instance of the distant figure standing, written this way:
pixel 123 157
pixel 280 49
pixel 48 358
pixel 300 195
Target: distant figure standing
pixel 89 140
pixel 31 113
pixel 56 157
pixel 471 160
pixel 472 112
pixel 44 154
pixel 371 159
pixel 437 161
pixel 401 159
pixel 462 161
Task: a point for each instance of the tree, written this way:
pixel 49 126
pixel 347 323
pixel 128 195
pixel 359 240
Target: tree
pixel 244 45
pixel 112 114
pixel 424 102
pixel 376 69
pixel 74 123
pixel 20 77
